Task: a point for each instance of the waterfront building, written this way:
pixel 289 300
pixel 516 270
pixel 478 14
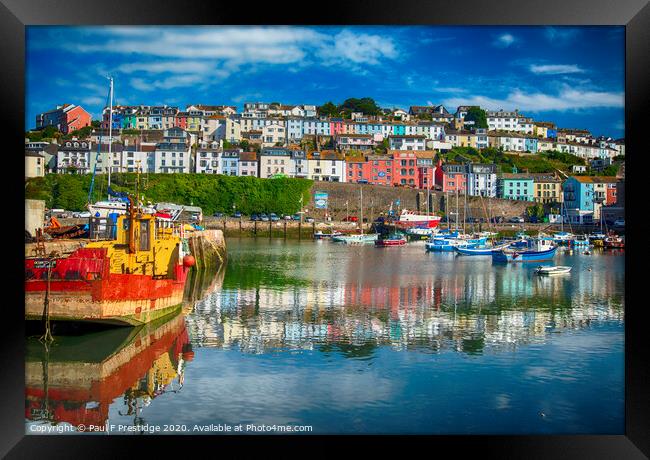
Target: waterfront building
pixel 406 171
pixel 355 141
pixel 458 137
pixel 208 158
pixel 407 142
pixel 274 160
pixel 509 121
pixel 515 186
pixel 48 150
pixel 173 154
pixel 66 118
pixel 371 169
pixel 273 134
pixel 34 164
pixel 248 164
pixel 451 177
pixel 298 166
pixel 482 180
pixel 141 154
pixel 426 168
pixel 73 157
pixel 547 188
pixel 326 165
pixel 230 162
pixel 585 195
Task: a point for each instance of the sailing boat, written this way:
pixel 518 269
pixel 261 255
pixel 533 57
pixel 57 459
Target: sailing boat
pixel 360 238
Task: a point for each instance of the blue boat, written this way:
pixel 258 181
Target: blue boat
pixel 539 251
pixel 449 244
pixel 480 250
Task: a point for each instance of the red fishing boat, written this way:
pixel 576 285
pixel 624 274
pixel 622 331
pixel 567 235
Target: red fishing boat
pixel 392 240
pixel 135 277
pixel 408 219
pixel 614 242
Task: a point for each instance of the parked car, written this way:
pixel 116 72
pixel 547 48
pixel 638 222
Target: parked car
pixel 516 220
pixel 497 220
pixel 295 217
pixel 84 214
pixel 217 214
pixel 286 217
pixel 236 214
pixel 309 220
pixel 351 219
pixel 619 223
pixel 254 217
pixel 264 217
pixel 274 217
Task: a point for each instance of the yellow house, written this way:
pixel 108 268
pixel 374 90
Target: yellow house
pixel 547 188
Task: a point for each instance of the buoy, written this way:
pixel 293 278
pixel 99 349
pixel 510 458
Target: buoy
pixel 188 261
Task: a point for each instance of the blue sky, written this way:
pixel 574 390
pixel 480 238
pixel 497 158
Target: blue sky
pixel 573 76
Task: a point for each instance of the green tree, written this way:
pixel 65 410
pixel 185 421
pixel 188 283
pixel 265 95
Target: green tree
pixel 328 109
pixel 478 116
pixel 243 144
pixel 366 105
pixel 610 170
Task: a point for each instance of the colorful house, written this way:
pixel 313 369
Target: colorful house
pixel 451 177
pixel 405 171
pixel 515 186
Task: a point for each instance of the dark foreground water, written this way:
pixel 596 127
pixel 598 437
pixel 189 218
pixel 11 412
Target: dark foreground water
pixel 354 340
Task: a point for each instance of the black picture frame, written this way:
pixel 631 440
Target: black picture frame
pixel 633 14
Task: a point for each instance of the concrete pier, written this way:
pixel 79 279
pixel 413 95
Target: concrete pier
pixel 34 215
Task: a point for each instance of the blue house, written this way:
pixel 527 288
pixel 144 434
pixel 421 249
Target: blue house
pixel 531 144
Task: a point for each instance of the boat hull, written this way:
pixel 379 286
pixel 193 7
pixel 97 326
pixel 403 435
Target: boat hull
pixel 524 256
pixel 82 288
pixel 386 243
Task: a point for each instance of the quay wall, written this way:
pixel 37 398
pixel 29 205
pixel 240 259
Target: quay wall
pixel 34 215
pixel 378 198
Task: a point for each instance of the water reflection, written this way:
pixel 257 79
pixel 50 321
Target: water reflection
pixel 364 297
pixel 77 378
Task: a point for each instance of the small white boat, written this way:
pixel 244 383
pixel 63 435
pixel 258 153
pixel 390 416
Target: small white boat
pixel 556 270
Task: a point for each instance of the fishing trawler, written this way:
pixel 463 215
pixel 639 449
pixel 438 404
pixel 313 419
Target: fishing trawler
pixel 134 276
pixel 412 219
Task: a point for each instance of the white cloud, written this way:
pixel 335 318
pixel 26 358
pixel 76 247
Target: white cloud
pixel 555 69
pixel 358 48
pixel 567 99
pixel 181 66
pixel 92 100
pixel 505 40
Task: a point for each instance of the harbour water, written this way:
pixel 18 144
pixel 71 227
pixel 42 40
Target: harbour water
pixel 356 340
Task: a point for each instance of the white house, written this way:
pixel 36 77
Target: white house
pixel 273 134
pixel 326 165
pixel 208 158
pixel 274 160
pixel 482 180
pixel 407 142
pixel 173 154
pixel 248 164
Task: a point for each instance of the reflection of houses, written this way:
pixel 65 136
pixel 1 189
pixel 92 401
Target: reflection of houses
pixel 468 311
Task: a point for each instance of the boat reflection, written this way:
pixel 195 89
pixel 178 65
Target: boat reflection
pixel 472 310
pixel 77 378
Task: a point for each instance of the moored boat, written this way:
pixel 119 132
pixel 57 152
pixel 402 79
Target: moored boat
pixel 418 233
pixel 356 239
pixel 614 242
pixel 135 277
pixel 555 270
pixel 319 235
pixel 479 251
pixel 538 251
pixel 412 219
pixel 395 239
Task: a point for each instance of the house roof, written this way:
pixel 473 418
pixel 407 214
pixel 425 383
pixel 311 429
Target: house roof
pixel 407 136
pixel 594 179
pixel 248 156
pixel 520 176
pixel 29 153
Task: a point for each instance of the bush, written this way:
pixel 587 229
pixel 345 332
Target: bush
pixel 211 192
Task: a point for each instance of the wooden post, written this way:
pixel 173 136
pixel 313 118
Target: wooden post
pixel 240 226
pixel 255 229
pixel 313 229
pixel 285 229
pixel 270 229
pixel 299 230
pixel 224 226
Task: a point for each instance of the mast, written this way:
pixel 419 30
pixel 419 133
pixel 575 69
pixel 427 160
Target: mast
pixel 361 202
pixel 457 214
pixel 465 214
pixel 110 133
